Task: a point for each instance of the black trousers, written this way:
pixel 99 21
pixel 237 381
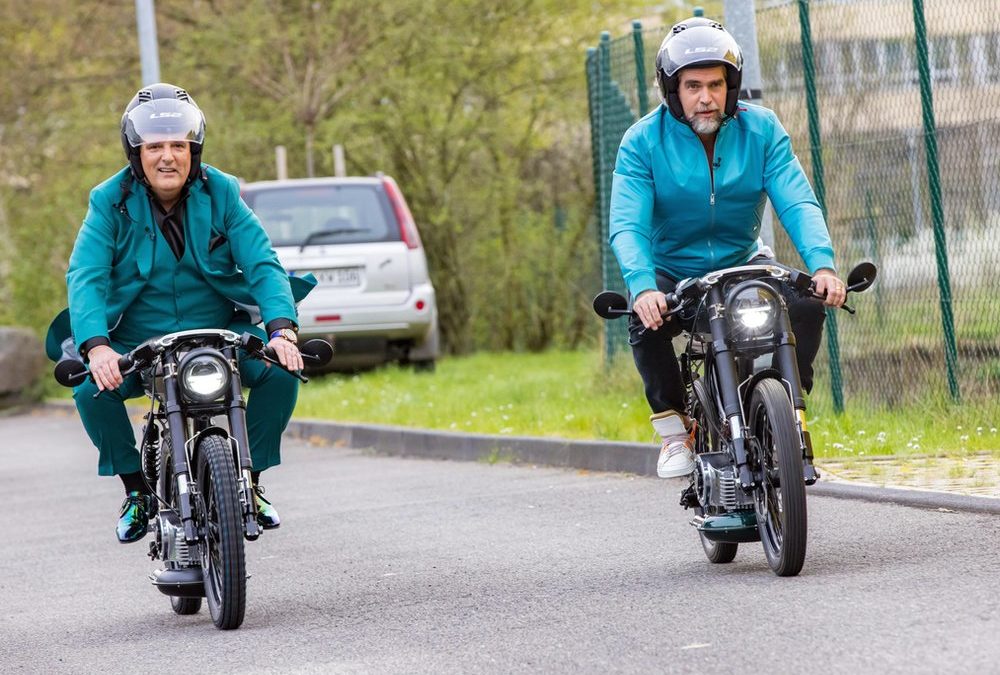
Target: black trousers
pixel 657 363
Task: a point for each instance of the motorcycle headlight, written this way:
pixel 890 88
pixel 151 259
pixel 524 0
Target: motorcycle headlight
pixel 753 308
pixel 204 376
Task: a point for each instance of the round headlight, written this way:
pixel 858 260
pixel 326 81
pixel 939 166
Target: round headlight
pixel 753 308
pixel 204 377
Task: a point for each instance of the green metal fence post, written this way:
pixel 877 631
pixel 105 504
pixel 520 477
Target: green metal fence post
pixel 640 69
pixel 809 71
pixel 604 180
pixel 875 252
pixel 937 211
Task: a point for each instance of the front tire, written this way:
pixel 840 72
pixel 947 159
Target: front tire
pixel 780 499
pixel 222 556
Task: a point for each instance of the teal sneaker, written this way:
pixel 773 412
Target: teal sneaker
pixel 134 521
pixel 267 515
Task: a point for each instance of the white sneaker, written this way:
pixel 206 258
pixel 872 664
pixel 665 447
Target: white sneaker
pixel 676 457
pixel 676 454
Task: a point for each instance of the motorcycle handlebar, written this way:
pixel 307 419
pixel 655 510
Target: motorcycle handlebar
pixel 72 372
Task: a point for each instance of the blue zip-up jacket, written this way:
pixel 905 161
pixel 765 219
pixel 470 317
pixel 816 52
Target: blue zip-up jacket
pixel 674 211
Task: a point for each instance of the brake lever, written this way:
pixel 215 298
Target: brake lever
pixel 667 314
pixel 295 373
pixel 847 308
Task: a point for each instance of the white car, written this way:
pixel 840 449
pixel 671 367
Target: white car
pixel 357 236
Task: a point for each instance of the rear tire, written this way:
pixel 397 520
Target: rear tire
pixel 222 556
pixel 717 552
pixel 781 503
pixel 185 605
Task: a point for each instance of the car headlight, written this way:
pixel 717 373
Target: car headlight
pixel 204 376
pixel 753 308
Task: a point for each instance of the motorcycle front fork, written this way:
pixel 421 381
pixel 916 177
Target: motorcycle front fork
pixel 728 382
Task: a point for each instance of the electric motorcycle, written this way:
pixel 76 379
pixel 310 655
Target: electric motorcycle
pixel 753 453
pixel 198 471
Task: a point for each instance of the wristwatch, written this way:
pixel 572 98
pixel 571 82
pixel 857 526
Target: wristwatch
pixel 286 333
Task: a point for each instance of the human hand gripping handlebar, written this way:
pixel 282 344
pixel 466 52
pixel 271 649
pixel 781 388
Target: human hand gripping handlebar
pixel 72 372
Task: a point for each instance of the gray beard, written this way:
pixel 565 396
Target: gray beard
pixel 706 126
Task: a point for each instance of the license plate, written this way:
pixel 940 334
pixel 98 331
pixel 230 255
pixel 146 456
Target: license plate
pixel 339 276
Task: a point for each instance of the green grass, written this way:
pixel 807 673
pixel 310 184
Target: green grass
pixel 571 395
pixel 936 428
pixel 562 394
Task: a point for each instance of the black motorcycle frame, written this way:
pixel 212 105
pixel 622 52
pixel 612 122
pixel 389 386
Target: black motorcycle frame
pixel 172 412
pixel 728 360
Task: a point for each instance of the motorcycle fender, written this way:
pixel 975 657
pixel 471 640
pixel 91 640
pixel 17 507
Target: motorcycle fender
pixel 195 441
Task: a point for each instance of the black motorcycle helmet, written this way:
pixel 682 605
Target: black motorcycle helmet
pixel 698 42
pixel 162 112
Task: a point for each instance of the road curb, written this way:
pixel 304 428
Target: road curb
pixel 617 457
pixel 635 458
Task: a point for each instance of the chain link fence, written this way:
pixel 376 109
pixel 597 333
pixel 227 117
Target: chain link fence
pixel 903 96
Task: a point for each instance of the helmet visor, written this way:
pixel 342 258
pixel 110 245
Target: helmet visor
pixel 163 120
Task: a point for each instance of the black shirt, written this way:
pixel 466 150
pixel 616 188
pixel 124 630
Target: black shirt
pixel 171 223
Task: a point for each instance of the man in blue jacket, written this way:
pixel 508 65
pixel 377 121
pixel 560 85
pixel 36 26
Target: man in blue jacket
pixel 690 183
pixel 169 245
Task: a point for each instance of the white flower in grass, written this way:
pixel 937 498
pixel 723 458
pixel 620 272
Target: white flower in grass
pixel 472 414
pixel 916 446
pixel 958 428
pixel 993 430
pixel 624 405
pixel 861 432
pixel 963 437
pixel 569 417
pixel 506 430
pixel 881 437
pixel 838 446
pixel 453 425
pixel 504 417
pixel 979 430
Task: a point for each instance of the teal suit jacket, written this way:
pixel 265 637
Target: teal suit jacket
pixel 112 258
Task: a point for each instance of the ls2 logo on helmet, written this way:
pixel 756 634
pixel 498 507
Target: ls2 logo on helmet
pixel 165 114
pixel 700 50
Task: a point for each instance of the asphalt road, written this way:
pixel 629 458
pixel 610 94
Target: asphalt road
pixel 400 565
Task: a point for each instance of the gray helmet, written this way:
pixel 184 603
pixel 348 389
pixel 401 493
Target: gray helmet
pixel 698 42
pixel 162 112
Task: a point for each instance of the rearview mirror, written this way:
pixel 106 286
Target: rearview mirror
pixel 317 352
pixel 610 305
pixel 861 277
pixel 70 372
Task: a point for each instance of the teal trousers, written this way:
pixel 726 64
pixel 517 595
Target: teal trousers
pixel 273 392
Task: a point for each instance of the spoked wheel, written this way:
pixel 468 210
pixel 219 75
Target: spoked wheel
pixel 222 557
pixel 181 606
pixel 702 411
pixel 780 500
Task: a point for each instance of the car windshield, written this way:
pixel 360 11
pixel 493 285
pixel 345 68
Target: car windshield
pixel 326 214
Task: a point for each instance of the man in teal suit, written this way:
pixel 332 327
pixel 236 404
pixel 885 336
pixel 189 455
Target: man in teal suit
pixel 169 245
